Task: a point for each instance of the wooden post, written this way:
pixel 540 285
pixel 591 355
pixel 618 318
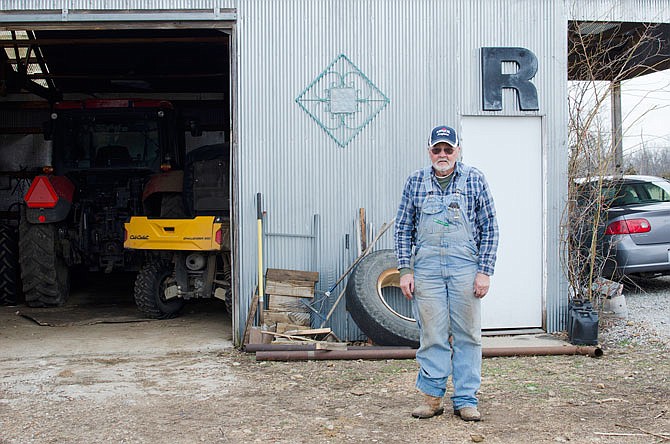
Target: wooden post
pixel 361 222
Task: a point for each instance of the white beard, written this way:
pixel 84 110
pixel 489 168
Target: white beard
pixel 442 165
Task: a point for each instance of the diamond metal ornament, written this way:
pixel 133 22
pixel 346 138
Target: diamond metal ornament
pixel 342 100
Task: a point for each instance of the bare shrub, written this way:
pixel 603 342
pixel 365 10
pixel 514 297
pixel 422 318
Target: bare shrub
pixel 601 55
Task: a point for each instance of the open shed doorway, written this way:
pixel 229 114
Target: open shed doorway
pixel 188 65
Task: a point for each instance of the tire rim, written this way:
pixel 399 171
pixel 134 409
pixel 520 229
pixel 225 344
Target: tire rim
pixel 166 282
pixel 390 278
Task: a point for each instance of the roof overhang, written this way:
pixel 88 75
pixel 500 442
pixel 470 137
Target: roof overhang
pixel 616 51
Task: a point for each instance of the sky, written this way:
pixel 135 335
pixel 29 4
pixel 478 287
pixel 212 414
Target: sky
pixel 645 105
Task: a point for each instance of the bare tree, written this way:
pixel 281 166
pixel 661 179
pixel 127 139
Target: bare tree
pixel 650 160
pixel 601 55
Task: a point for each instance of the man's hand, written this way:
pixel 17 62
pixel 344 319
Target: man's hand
pixel 482 283
pixel 407 285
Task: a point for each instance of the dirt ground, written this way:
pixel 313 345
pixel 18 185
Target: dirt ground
pixel 181 381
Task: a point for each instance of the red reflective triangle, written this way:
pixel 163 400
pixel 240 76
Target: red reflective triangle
pixel 41 194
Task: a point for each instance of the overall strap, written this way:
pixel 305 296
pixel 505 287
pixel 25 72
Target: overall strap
pixel 428 179
pixel 463 173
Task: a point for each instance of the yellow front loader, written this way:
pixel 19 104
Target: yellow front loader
pixel 186 259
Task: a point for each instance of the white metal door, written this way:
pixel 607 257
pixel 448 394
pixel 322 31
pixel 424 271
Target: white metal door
pixel 509 152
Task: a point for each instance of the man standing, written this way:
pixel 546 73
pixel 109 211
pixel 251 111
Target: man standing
pixel 447 215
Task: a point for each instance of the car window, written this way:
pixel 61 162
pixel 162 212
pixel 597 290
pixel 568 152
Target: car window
pixel 657 192
pixel 614 193
pixel 623 195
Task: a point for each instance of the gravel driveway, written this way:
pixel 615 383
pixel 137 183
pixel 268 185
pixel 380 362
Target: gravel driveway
pixel 648 321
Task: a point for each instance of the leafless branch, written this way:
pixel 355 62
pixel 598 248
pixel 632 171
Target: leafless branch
pixel 600 55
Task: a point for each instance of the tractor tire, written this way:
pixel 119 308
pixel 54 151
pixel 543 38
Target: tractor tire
pixel 152 280
pixel 226 275
pixel 368 307
pixel 45 275
pixel 172 206
pixel 10 288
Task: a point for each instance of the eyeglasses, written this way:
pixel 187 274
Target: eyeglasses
pixel 448 150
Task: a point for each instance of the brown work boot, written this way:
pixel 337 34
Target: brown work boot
pixel 432 406
pixel 468 414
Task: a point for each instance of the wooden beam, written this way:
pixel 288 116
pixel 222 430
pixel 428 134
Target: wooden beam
pixel 362 227
pixel 309 331
pixel 250 317
pixel 278 274
pixel 124 77
pixel 299 289
pixel 6 43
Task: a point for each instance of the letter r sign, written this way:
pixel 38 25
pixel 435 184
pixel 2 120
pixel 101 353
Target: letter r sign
pixel 493 80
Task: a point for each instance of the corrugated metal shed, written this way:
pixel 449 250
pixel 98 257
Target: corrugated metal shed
pixel 423 58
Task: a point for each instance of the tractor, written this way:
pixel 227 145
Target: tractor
pixel 111 159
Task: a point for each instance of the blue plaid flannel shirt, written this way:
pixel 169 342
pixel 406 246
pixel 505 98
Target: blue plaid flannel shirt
pixel 480 211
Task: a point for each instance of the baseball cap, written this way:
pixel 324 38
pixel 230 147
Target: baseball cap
pixel 443 134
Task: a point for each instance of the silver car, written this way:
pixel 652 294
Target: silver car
pixel 637 227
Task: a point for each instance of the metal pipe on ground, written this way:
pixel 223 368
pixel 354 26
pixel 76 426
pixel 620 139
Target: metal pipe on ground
pixel 395 353
pixel 592 351
pixel 254 348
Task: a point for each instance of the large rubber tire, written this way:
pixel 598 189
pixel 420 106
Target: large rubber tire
pixel 10 288
pixel 226 275
pixel 367 305
pixel 45 276
pixel 152 280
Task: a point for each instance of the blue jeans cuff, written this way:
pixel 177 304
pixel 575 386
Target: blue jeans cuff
pixel 430 389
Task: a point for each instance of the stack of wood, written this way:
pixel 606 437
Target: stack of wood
pixel 289 293
pixel 322 338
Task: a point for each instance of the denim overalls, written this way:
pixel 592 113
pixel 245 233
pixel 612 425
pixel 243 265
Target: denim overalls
pixel 445 264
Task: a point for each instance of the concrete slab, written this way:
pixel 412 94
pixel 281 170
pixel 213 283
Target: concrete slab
pixel 524 340
pixel 193 331
pixel 202 326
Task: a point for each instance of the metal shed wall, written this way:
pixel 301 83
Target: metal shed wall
pixel 425 57
pixel 654 11
pixel 109 6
